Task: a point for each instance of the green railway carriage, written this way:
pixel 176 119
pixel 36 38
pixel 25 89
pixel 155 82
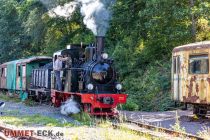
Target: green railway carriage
pixel 15 76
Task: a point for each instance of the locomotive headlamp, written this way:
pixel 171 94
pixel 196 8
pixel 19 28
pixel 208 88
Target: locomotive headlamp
pixel 118 86
pixel 90 86
pixel 68 46
pixel 104 55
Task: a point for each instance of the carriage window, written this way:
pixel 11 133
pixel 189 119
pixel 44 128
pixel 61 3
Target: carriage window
pixel 24 71
pixel 5 72
pixel 18 71
pixel 199 64
pixel 2 72
pixel 174 64
pixel 178 64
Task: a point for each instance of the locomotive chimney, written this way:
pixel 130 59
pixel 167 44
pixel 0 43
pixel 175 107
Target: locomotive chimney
pixel 99 46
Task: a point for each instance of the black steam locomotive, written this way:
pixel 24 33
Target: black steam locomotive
pixel 88 75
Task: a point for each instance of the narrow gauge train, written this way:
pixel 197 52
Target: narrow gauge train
pixel 191 76
pixel 88 76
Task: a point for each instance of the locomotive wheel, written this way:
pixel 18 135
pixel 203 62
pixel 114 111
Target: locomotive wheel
pixel 195 110
pixel 200 111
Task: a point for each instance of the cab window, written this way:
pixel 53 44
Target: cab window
pixel 199 64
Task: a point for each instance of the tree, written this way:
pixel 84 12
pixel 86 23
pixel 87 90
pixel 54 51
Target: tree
pixel 10 29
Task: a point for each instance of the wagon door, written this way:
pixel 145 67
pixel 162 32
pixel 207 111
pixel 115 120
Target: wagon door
pixel 23 77
pixel 198 78
pixel 18 73
pixel 176 78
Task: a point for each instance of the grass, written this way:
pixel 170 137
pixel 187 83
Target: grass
pixel 205 133
pixel 5 97
pixel 14 98
pixel 177 127
pixel 103 130
pixel 33 120
pixel 83 117
pixel 30 102
pixel 121 134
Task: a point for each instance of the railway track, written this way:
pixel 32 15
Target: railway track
pixel 3 137
pixel 155 131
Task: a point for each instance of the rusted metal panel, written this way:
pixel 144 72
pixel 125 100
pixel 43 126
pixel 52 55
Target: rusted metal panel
pixel 193 46
pixel 3 77
pixel 194 87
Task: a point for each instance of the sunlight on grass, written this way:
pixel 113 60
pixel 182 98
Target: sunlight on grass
pixel 32 121
pixel 177 126
pixel 115 134
pixel 205 133
pixel 103 130
pixel 106 133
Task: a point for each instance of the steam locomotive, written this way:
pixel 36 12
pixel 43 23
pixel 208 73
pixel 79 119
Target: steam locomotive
pixel 88 76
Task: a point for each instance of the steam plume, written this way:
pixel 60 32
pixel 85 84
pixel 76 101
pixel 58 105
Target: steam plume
pixel 70 107
pixel 64 11
pixel 96 15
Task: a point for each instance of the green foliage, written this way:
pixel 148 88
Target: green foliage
pixel 83 118
pixel 130 105
pixel 10 28
pixel 150 88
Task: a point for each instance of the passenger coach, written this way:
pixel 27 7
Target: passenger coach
pixel 191 76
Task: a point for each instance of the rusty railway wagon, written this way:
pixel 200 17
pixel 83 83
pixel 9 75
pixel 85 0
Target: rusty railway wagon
pixel 191 76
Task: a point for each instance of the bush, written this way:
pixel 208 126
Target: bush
pixel 130 105
pixel 149 89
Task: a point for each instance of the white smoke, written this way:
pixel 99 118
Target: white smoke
pixel 96 15
pixel 66 10
pixel 70 107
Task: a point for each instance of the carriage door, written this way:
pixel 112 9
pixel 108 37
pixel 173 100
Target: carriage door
pixel 176 78
pixel 21 77
pixel 24 82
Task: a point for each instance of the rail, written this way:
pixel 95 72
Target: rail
pixel 158 129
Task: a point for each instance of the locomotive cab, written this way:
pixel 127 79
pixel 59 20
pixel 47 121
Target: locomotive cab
pixel 70 70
